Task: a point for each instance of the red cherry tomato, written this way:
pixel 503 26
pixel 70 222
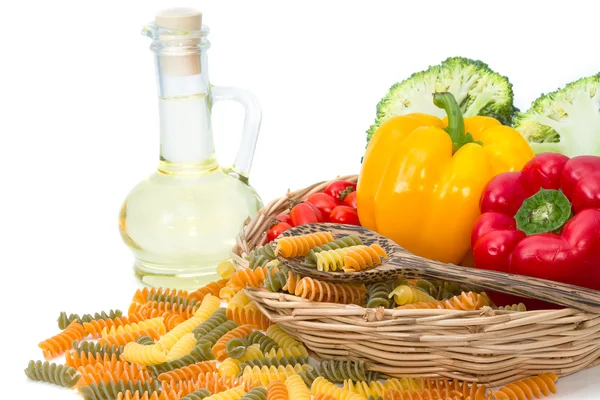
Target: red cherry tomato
pixel 335 188
pixel 344 215
pixel 320 216
pixel 350 199
pixel 284 218
pixel 324 202
pixel 277 230
pixel 304 213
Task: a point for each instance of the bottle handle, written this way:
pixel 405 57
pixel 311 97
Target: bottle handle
pixel 250 129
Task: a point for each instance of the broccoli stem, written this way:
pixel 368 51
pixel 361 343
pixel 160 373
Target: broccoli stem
pixel 456 122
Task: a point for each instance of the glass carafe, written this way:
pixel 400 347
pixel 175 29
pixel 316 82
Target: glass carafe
pixel 183 220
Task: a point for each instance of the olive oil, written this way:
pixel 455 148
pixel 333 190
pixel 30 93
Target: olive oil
pixel 183 220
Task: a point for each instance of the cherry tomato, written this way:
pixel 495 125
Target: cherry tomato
pixel 284 218
pixel 276 230
pixel 321 217
pixel 335 188
pixel 324 202
pixel 344 215
pixel 304 213
pixel 350 199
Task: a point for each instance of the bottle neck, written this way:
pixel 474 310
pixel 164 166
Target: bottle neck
pixel 186 141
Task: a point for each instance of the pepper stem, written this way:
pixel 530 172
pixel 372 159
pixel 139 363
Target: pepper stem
pixel 456 122
pixel 546 211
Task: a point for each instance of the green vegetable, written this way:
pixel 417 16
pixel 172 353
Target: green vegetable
pixel 566 121
pixel 477 89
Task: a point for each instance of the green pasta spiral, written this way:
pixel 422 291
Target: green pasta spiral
pixel 110 390
pixel 378 295
pixel 257 393
pixel 236 347
pixel 346 241
pixel 216 319
pixel 261 255
pixel 200 353
pixel 172 299
pixel 197 395
pixel 337 371
pixel 56 374
pixel 275 281
pixel 265 342
pixel 212 336
pixel 309 376
pixel 441 290
pixel 145 340
pixel 274 362
pixel 64 320
pixel 96 348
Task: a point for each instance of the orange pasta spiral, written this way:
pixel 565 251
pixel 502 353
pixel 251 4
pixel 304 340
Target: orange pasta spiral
pixel 246 277
pixel 469 301
pixel 157 323
pixel 95 327
pixel 76 360
pixel 62 342
pixel 143 295
pixel 189 372
pixel 472 390
pixel 434 394
pixel 124 338
pixel 315 290
pixel 154 309
pixel 362 258
pixel 171 320
pixel 296 246
pixel 324 396
pixel 538 386
pixel 123 371
pixel 249 315
pixel 210 288
pixel 277 390
pixel 219 348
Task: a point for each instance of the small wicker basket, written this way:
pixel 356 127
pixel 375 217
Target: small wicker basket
pixel 488 346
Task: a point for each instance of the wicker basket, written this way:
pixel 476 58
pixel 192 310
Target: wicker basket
pixel 488 346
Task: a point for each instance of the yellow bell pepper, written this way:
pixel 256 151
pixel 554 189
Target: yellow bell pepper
pixel 420 184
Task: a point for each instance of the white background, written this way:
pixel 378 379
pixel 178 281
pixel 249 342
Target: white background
pixel 79 121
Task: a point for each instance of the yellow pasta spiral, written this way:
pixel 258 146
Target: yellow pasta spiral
pixel 144 355
pixel 296 388
pixel 405 294
pixel 252 353
pixel 257 375
pixel 299 351
pixel 465 301
pixel 284 340
pixel 225 269
pixel 235 393
pixel 323 386
pixel 230 367
pixel 402 384
pixel 366 389
pixel 227 293
pixel 183 347
pixel 538 386
pixel 297 246
pixel 132 327
pixel 333 260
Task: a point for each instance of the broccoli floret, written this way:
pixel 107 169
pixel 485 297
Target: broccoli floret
pixel 477 89
pixel 566 121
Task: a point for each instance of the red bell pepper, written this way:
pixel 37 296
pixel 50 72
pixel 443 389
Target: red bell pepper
pixel 543 222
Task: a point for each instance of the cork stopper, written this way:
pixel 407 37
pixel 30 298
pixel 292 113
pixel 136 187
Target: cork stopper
pixel 180 21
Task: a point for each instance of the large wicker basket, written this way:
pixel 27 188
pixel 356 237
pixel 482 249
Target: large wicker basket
pixel 488 346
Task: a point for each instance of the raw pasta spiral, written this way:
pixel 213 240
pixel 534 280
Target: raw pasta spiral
pixel 235 393
pixel 257 393
pixel 211 288
pixel 264 375
pixel 296 388
pixel 248 314
pixel 365 389
pixel 96 326
pixel 299 351
pixel 171 320
pixel 308 376
pixel 144 355
pixel 219 347
pixel 378 295
pixel 297 246
pixel 426 394
pixel 261 256
pixel 96 348
pixel 230 367
pixel 227 293
pixel 277 279
pixel 210 380
pixel 146 324
pixel 346 241
pixel 137 395
pixel 402 384
pixel 56 374
pixel 236 347
pixel 225 269
pixel 216 319
pixel 337 371
pixel 124 338
pixel 183 347
pixel 197 355
pixel 350 259
pixel 252 353
pixel 143 295
pixel 188 372
pixel 64 320
pixel 76 360
pixel 266 342
pixel 153 309
pixel 274 362
pixel 323 386
pixel 110 390
pixel 56 345
pixel 199 394
pixel 324 396
pixel 473 391
pixel 281 338
pixel 211 338
pixel 277 390
pixel 405 294
pixel 123 371
pixel 145 340
pixel 246 277
pixel 538 386
pixel 316 290
pixel 466 301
